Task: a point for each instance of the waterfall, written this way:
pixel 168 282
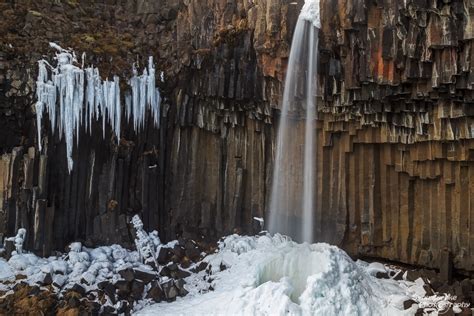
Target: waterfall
pixel 292 202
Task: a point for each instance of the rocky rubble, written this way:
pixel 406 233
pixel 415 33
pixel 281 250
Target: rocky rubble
pixel 430 287
pixel 123 287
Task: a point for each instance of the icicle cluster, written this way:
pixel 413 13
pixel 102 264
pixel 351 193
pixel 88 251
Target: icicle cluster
pixel 145 96
pixel 83 97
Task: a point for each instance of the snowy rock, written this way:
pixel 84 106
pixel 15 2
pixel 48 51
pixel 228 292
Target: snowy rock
pixel 170 290
pixel 18 240
pixel 6 272
pixel 23 261
pixel 78 289
pixel 59 280
pixel 145 276
pixel 47 279
pixel 108 289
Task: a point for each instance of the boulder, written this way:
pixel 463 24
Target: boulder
pixel 192 251
pixel 127 274
pixel 164 256
pixel 180 286
pixel 155 292
pixel 166 272
pixel 123 288
pixel 145 276
pixel 137 289
pixel 412 275
pixel 178 251
pixel 382 275
pixel 180 274
pixel 170 290
pixel 108 289
pixel 408 303
pixel 78 289
pixel 47 280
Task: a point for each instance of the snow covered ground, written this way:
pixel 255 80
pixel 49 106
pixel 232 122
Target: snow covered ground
pixel 248 275
pixel 272 275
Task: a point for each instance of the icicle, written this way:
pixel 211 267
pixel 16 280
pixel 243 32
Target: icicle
pixel 90 97
pixel 46 95
pixel 39 117
pixel 142 104
pixel 118 109
pixel 103 105
pixel 128 105
pixel 145 96
pixel 150 91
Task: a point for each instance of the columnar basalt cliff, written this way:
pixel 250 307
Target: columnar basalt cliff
pixel 395 177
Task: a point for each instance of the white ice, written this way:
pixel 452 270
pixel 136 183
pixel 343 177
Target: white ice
pixel 82 96
pixel 272 275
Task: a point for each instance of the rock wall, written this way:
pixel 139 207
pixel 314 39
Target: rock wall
pixel 396 129
pixel 204 172
pixel 394 156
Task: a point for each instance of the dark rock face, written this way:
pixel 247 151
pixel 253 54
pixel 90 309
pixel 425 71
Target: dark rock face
pixel 204 172
pixel 394 151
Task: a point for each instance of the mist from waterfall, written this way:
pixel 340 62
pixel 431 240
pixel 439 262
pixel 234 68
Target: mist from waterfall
pixel 292 202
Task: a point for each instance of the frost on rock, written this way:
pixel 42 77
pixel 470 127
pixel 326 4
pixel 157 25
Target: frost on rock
pixel 75 96
pixel 146 244
pixel 19 239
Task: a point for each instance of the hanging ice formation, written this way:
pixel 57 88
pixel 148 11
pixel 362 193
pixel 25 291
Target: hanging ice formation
pixel 144 96
pixel 82 96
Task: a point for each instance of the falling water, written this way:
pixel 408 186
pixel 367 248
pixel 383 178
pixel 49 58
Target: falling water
pixel 292 201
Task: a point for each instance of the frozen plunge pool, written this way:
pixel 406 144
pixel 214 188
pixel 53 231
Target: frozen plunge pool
pixel 272 275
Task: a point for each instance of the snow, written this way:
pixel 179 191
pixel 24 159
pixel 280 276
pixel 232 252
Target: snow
pixel 272 275
pixel 6 272
pixel 146 243
pixel 311 13
pixel 19 239
pixel 83 96
pixel 249 275
pixel 79 265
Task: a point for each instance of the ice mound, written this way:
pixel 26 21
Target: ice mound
pixel 272 275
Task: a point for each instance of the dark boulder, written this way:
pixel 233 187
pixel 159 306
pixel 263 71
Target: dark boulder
pixel 127 274
pixel 155 292
pixel 145 276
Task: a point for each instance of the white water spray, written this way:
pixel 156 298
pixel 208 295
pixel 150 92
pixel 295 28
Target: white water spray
pixel 292 201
